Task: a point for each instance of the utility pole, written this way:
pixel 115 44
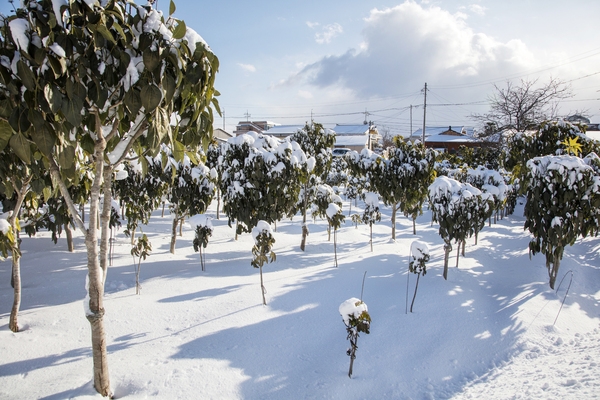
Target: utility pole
pixel 247 115
pixel 411 131
pixel 424 111
pixel 223 119
pixel 366 116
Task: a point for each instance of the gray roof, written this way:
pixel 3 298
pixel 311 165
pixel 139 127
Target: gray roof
pixel 341 129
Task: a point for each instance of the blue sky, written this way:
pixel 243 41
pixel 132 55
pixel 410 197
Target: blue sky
pixel 284 61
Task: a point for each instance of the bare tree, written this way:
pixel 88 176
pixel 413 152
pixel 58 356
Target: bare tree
pixel 524 106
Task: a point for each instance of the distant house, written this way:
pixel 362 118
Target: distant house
pixel 355 137
pixel 448 139
pixel 221 135
pixel 283 131
pixel 253 126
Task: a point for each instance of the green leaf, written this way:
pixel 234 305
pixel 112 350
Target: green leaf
pixel 26 75
pixel 180 30
pixel 44 140
pixel 103 30
pixel 178 151
pixel 20 146
pixel 6 133
pixel 151 59
pixel 71 109
pixel 133 101
pixel 151 97
pixel 172 8
pixel 66 157
pixel 169 86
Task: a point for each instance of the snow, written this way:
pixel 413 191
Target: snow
pixel 56 4
pixel 352 307
pixel 18 29
pixel 418 249
pixel 55 47
pixel 261 226
pixel 332 210
pixel 4 226
pixel 372 199
pixel 200 220
pixel 488 332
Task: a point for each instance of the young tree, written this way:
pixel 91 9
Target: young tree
pixel 262 250
pixel 106 79
pixel 419 256
pixel 562 204
pixel 141 250
pixel 316 142
pixel 371 214
pixel 203 230
pixel 356 317
pixel 190 192
pixel 335 217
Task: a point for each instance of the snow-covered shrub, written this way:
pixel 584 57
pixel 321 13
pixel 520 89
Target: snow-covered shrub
pixel 563 204
pixel 262 250
pixel 355 315
pixel 203 230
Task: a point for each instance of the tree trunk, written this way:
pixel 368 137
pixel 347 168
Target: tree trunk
pixel 218 202
pixel 137 277
pixel 394 210
pixel 329 232
pixel 201 259
pixel 476 234
pixel 16 279
pixel 447 250
pixel 304 227
pixel 458 252
pixel 174 233
pixel 163 210
pixel 415 295
pixel 69 234
pixel 181 227
pixel 262 287
pixel 352 351
pixel 16 255
pixel 133 236
pixel 414 226
pixel 335 247
pixel 464 242
pixel 553 271
pixel 371 230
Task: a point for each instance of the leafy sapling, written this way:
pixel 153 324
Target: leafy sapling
pixel 419 255
pixel 203 231
pixel 371 213
pixel 141 250
pixel 356 218
pixel 357 319
pixel 262 250
pixel 335 217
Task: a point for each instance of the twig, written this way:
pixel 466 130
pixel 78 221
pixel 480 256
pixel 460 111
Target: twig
pixel 363 286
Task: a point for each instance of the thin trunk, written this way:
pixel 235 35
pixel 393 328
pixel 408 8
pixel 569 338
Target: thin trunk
pixel 490 221
pixel 201 259
pixel 138 288
pixel 133 236
pixel 371 229
pixel 414 226
pixel 352 350
pixel 304 227
pixel 262 287
pixel 464 242
pixel 458 252
pixel 350 209
pixel 394 210
pixel 476 234
pixel 553 271
pixel 112 240
pixel 181 227
pixel 82 211
pixel 447 250
pixel 329 232
pixel 415 295
pixel 69 234
pixel 16 256
pixel 163 210
pixel 335 247
pixel 218 202
pixel 174 233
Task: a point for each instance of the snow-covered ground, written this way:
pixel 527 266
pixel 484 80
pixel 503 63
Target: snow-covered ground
pixel 489 331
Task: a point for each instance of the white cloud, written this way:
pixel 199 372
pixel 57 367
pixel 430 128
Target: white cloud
pixel 327 33
pixel 247 67
pixel 410 44
pixel 305 94
pixel 477 9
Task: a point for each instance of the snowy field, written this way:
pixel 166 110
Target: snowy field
pixel 489 331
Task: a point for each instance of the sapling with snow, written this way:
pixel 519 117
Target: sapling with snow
pixel 335 217
pixel 203 230
pixel 356 317
pixel 419 256
pixel 371 213
pixel 141 250
pixel 262 250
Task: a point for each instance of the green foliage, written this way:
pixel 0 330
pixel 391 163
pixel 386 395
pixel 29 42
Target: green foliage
pixel 418 265
pixel 262 249
pixel 203 233
pixel 563 203
pixel 317 142
pixel 8 240
pixel 362 323
pixel 142 248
